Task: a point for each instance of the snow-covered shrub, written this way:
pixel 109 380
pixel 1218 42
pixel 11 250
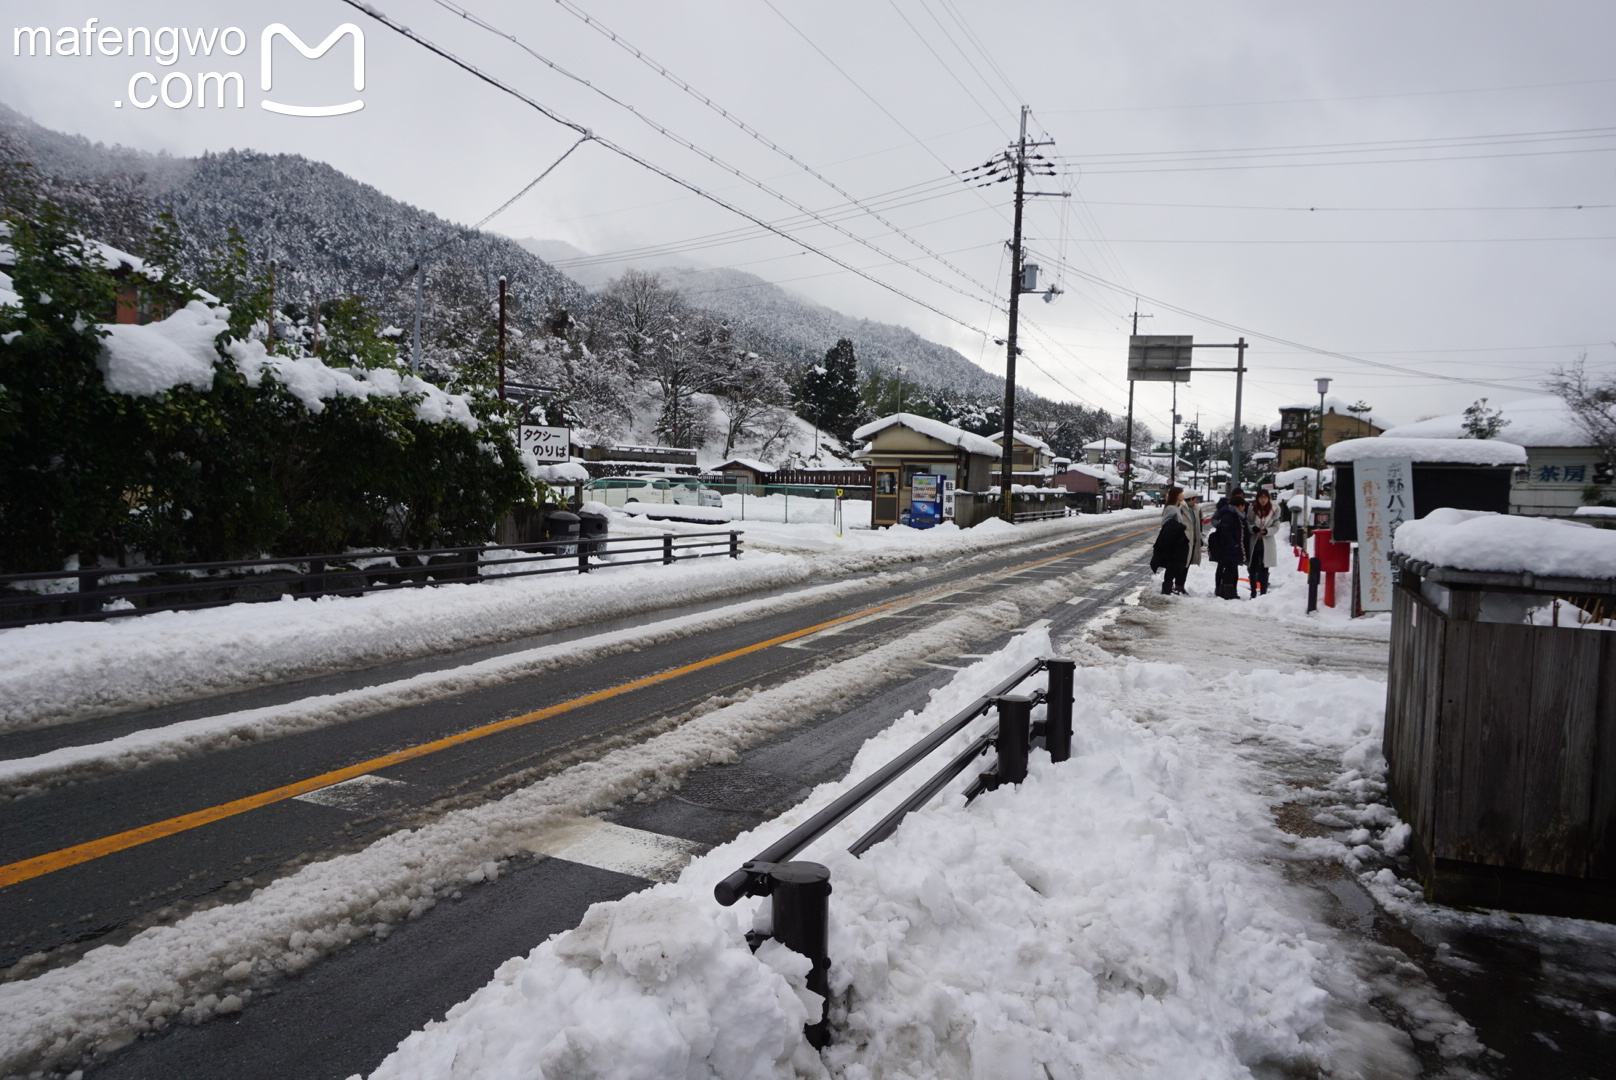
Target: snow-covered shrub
pixel 189 439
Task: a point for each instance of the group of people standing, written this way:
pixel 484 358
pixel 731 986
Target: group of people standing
pixel 1242 535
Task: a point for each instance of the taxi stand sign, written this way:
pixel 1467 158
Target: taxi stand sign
pixel 1384 491
pixel 548 445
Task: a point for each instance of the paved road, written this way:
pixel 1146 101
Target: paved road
pixel 390 987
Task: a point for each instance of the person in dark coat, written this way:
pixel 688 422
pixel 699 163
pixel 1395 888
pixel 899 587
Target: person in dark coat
pixel 1172 551
pixel 1229 543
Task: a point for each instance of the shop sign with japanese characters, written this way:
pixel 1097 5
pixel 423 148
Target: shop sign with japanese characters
pixel 548 445
pixel 1384 489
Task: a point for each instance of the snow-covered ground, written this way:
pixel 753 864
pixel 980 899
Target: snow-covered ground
pixel 1159 906
pixel 215 960
pixel 66 671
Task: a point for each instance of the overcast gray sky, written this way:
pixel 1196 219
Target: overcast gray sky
pixel 1441 143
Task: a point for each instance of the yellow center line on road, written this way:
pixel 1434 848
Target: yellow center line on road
pixel 40 865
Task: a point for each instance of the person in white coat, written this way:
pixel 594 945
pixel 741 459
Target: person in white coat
pixel 1264 519
pixel 1190 512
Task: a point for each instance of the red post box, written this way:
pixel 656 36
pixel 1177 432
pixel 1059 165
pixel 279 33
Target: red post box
pixel 1334 557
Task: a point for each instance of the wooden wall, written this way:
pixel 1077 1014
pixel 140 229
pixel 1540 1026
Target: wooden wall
pixel 1501 741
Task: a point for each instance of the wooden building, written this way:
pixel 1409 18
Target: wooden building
pixel 901 445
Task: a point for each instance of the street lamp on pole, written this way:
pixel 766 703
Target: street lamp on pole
pixel 1324 388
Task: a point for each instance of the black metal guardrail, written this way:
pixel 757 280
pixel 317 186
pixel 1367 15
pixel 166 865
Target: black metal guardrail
pixel 190 586
pixel 800 891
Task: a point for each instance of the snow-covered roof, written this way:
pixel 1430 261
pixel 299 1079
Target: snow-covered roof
pixel 1290 477
pixel 1101 472
pixel 1508 543
pixel 1594 512
pixel 1428 451
pixel 1333 404
pixel 1536 421
pixel 1021 437
pixel 746 463
pixel 935 429
pixel 1105 444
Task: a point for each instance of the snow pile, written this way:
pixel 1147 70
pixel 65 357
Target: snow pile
pixel 1299 476
pixel 1594 512
pixel 313 383
pixel 682 511
pixel 563 472
pixel 784 509
pixel 1543 420
pixel 650 986
pixel 1120 914
pixel 935 429
pixel 1508 543
pixel 144 361
pixel 1428 450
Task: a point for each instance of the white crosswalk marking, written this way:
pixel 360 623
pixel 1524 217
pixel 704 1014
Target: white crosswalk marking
pixel 622 850
pixel 364 792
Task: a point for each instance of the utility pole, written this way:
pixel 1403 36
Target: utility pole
pixel 1239 387
pixel 1127 451
pixel 502 337
pixel 1020 281
pixel 1172 441
pixel 420 270
pixel 1007 461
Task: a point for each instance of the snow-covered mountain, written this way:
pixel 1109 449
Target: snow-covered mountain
pixel 330 235
pixel 783 323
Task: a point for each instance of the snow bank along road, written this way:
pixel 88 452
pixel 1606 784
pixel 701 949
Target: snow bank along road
pixel 175 875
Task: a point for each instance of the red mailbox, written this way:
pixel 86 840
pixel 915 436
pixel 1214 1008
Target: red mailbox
pixel 1334 557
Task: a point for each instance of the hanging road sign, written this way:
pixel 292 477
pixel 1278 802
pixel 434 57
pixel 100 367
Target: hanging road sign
pixel 1159 357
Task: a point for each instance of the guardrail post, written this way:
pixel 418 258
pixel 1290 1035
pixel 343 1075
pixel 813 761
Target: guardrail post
pixel 800 892
pixel 314 581
pixel 1015 723
pixel 667 548
pixel 85 605
pixel 583 559
pixel 474 566
pixel 1058 703
pixel 734 545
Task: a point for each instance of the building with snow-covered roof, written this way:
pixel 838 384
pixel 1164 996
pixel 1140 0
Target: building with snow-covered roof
pixel 1031 459
pixel 1292 437
pixel 1103 450
pixel 1561 461
pixel 900 446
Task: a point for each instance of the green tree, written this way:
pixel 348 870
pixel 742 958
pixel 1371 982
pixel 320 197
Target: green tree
pixel 1480 422
pixel 828 392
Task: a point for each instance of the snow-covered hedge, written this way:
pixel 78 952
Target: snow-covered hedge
pixel 188 439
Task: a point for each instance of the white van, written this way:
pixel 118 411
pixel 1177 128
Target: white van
pixel 651 488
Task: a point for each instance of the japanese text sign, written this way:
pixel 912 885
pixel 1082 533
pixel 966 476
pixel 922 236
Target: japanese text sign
pixel 548 445
pixel 1384 490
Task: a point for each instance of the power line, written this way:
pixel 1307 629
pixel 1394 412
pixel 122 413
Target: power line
pixel 1286 341
pixel 640 161
pixel 665 73
pixel 1366 161
pixel 1355 97
pixel 1426 142
pixel 1350 209
pixel 666 132
pixel 506 205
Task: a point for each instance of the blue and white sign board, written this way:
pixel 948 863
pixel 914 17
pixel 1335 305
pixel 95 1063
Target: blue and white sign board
pixel 548 445
pixel 1385 499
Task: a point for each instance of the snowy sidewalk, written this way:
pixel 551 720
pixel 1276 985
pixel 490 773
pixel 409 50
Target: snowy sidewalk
pixel 1185 898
